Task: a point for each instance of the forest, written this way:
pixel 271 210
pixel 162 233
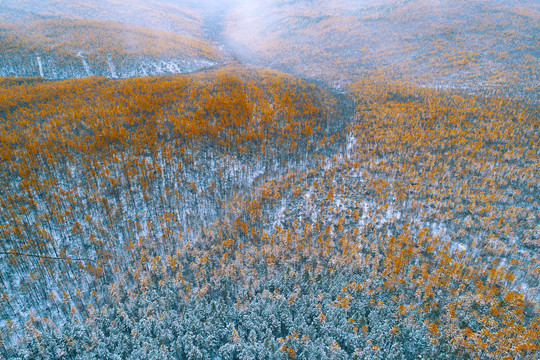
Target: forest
pixel 299 185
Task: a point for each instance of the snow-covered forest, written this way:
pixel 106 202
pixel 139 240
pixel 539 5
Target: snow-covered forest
pixel 269 180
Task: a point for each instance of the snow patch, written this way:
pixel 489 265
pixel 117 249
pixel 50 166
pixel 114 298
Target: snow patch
pixel 85 64
pixel 460 247
pixel 351 144
pixel 112 68
pixel 40 65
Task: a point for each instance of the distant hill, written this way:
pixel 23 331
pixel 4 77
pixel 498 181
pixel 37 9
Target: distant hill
pixel 485 46
pixel 66 48
pixel 180 17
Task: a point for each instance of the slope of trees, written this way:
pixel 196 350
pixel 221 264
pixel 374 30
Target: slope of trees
pixel 244 213
pixel 171 16
pixel 66 48
pixel 239 212
pixel 482 46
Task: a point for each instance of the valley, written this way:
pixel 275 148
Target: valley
pixel 269 180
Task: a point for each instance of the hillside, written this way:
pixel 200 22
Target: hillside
pixel 181 18
pixel 253 209
pixel 480 46
pixel 483 47
pixel 264 179
pixel 59 49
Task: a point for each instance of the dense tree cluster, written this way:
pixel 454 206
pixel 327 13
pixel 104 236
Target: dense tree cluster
pixel 244 213
pixel 482 46
pixel 66 48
